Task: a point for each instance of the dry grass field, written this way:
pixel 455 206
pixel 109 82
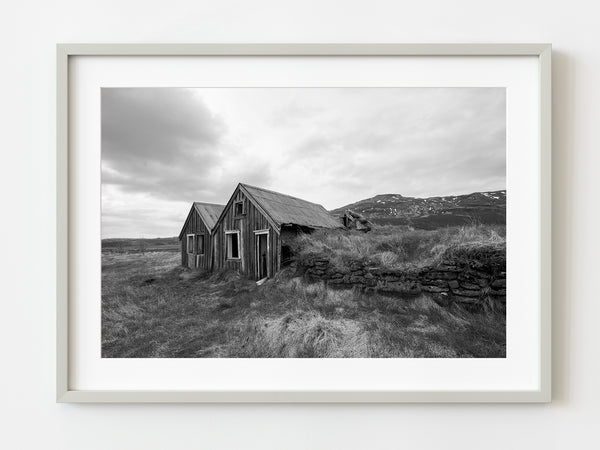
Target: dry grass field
pixel 152 308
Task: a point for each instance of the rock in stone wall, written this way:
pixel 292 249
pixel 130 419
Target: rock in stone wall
pixel 474 276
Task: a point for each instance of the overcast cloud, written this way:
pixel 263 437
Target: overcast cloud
pixel 163 148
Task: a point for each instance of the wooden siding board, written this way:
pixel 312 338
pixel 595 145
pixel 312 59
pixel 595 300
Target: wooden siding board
pixel 183 253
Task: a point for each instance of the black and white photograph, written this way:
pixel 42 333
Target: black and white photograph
pixel 303 222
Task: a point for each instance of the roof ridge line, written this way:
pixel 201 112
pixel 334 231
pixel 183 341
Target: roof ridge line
pixel 210 204
pixel 282 194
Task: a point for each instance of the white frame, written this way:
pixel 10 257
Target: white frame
pixel 257 233
pixel 187 243
pixel 227 258
pixel 64 393
pixel 196 244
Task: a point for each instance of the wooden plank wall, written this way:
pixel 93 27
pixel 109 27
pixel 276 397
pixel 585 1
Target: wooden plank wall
pixel 196 226
pixel 247 223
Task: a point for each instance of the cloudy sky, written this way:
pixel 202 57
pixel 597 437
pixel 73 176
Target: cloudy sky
pixel 163 148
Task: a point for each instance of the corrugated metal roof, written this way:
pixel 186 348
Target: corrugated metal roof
pixel 209 213
pixel 285 209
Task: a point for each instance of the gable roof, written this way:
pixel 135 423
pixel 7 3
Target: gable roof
pixel 208 212
pixel 284 209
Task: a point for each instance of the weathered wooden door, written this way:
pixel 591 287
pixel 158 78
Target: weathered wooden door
pixel 262 255
pixel 191 257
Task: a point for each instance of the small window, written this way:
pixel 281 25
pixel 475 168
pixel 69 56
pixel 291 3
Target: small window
pixel 232 243
pixel 238 208
pixel 190 243
pixel 200 244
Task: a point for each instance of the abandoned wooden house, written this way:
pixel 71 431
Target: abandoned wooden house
pixel 253 232
pixel 196 235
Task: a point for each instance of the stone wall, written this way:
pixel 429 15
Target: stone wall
pixel 472 276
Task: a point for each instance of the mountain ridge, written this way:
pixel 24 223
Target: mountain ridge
pixel 487 207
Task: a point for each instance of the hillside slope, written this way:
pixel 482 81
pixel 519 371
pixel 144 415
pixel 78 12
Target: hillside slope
pixel 432 212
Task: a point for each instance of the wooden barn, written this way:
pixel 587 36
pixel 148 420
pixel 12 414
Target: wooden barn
pixel 196 235
pixel 250 235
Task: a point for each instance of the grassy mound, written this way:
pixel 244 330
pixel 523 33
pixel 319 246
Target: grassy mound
pixel 399 247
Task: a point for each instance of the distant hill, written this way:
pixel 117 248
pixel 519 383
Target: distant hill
pixel 432 212
pixel 128 245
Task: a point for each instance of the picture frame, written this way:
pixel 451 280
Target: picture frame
pixel 65 213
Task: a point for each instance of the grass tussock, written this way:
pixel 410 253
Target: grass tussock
pixel 398 247
pixel 153 308
pixel 302 334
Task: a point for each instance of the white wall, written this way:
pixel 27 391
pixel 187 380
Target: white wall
pixel 31 419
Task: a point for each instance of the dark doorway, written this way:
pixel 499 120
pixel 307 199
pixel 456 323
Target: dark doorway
pixel 262 255
pixel 286 255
